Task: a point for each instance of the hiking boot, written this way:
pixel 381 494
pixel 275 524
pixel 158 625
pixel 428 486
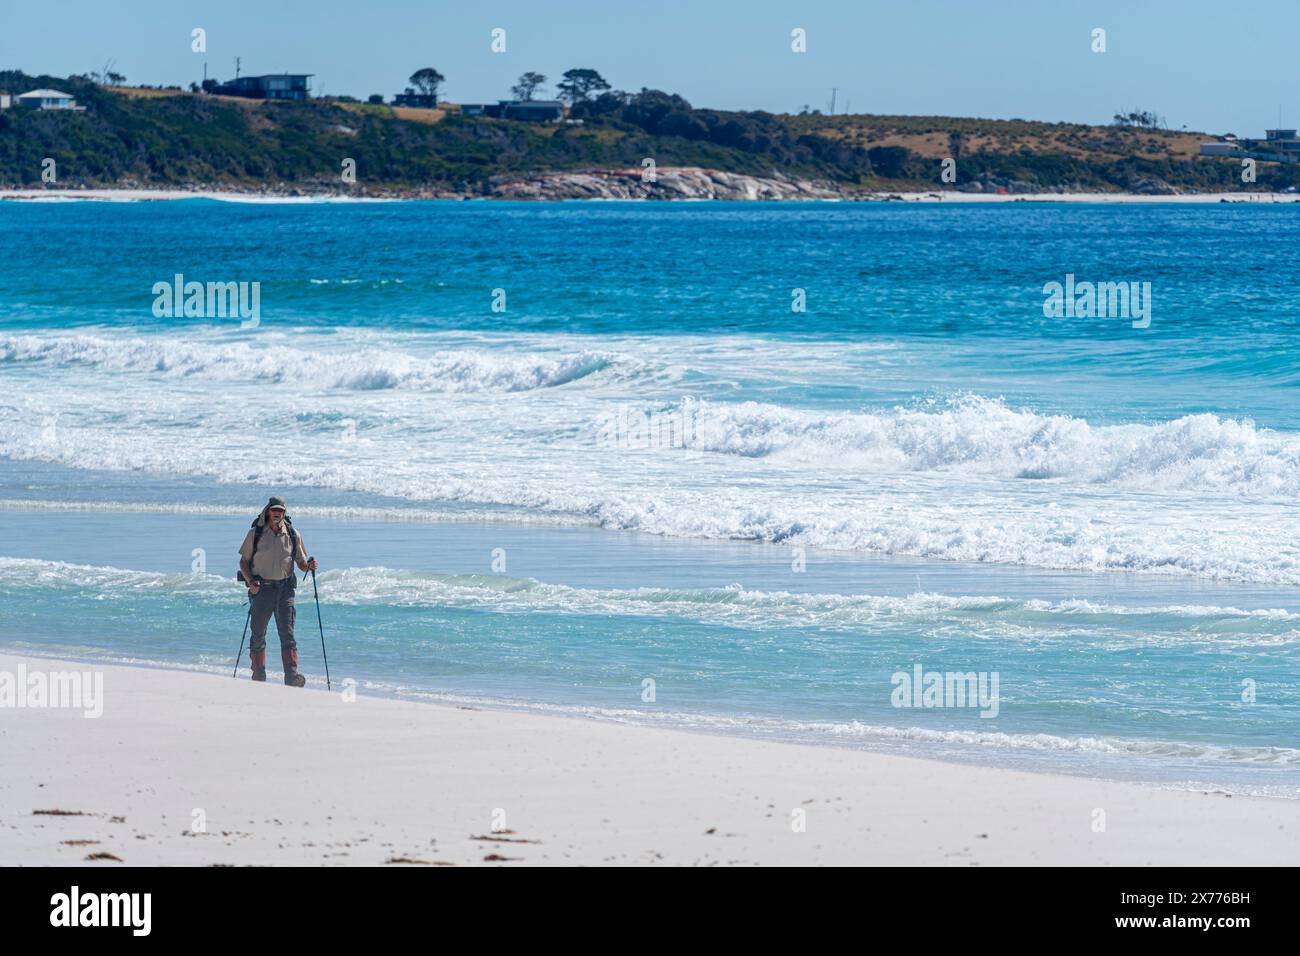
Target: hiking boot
pixel 259 664
pixel 289 655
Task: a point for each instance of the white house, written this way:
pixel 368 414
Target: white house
pixel 48 100
pixel 1220 149
pixel 6 101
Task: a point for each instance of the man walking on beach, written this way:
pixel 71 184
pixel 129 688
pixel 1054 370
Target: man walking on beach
pixel 266 559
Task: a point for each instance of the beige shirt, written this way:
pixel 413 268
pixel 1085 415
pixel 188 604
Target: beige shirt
pixel 274 558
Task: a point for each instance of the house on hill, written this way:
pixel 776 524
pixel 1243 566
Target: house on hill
pixel 409 97
pixel 48 100
pixel 536 111
pixel 1284 142
pixel 1278 146
pixel 272 86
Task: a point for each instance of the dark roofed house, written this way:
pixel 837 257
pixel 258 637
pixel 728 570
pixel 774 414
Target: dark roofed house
pixel 536 111
pixel 272 86
pixel 539 111
pixel 1283 139
pixel 423 101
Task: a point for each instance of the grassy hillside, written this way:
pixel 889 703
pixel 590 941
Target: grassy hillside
pixel 147 137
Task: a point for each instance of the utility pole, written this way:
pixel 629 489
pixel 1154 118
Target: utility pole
pixel 834 90
pixel 237 60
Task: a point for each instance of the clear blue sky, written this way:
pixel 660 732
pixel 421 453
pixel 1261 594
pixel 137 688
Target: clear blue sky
pixel 1215 66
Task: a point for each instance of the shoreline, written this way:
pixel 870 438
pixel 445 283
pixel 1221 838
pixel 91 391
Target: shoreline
pixel 905 745
pixel 173 747
pixel 952 197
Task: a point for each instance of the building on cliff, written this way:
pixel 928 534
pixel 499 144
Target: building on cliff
pixel 272 86
pixel 1277 146
pixel 536 111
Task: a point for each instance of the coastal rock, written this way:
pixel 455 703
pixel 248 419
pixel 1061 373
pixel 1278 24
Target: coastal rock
pixel 1151 186
pixel 670 182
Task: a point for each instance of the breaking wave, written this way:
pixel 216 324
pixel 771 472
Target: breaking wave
pixel 987 437
pixel 363 369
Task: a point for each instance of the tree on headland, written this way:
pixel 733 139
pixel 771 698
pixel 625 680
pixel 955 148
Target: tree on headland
pixel 578 86
pixel 528 86
pixel 427 81
pixel 106 76
pixel 649 108
pixel 1142 119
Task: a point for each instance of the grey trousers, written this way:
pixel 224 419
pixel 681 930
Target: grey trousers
pixel 275 598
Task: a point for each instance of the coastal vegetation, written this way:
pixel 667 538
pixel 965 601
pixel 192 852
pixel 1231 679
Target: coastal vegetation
pixel 173 138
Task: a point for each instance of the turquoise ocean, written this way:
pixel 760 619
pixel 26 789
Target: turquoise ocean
pixel 722 467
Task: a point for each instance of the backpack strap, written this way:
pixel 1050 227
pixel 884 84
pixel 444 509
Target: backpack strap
pixel 259 526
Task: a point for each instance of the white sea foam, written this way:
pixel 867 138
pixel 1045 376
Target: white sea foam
pixel 987 437
pixel 735 606
pixel 689 497
pixel 465 370
pixel 972 435
pixel 433 418
pixel 504 515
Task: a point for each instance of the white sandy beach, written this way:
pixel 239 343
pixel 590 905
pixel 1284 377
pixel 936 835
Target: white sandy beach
pixel 285 776
pixel 951 196
pixel 158 195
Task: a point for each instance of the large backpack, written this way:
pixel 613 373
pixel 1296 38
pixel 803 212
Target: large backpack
pixel 258 526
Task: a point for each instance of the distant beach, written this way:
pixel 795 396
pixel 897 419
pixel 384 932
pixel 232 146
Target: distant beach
pixel 953 196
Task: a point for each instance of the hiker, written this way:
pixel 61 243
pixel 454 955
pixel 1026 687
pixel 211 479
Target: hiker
pixel 266 559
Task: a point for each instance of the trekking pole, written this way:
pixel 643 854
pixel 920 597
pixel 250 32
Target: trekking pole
pixel 241 638
pixel 316 594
